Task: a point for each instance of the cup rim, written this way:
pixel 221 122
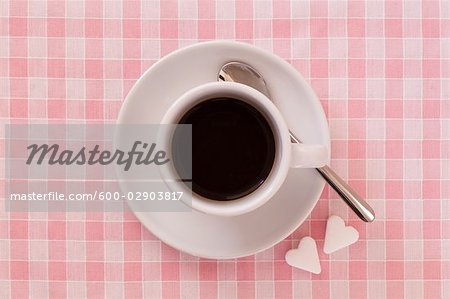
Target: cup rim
pixel 281 164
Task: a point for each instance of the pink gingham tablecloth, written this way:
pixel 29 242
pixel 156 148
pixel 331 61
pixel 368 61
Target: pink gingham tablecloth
pixel 382 72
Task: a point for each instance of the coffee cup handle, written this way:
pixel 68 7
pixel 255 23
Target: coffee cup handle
pixel 308 155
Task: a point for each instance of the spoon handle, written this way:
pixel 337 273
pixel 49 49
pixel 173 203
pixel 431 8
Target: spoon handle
pixel 351 198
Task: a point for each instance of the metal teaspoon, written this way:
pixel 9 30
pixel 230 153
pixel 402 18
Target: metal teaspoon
pixel 243 73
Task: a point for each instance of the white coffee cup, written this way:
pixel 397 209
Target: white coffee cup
pixel 287 155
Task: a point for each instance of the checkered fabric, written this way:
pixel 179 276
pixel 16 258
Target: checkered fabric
pixel 382 72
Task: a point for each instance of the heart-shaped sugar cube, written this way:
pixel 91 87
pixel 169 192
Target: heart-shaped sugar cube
pixel 305 257
pixel 338 235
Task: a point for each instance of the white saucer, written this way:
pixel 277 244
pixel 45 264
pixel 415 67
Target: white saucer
pixel 231 237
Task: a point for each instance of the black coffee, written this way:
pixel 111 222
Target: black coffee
pixel 233 148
